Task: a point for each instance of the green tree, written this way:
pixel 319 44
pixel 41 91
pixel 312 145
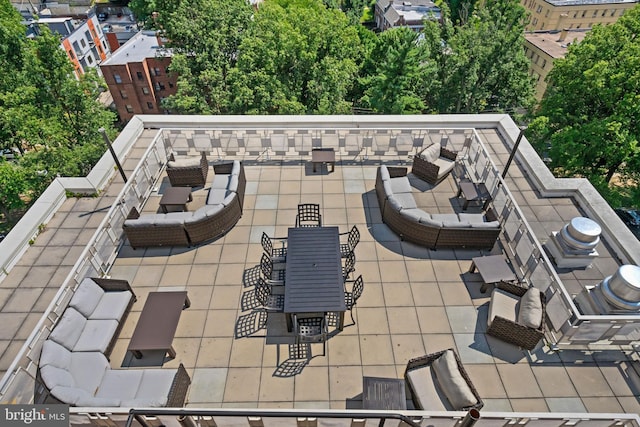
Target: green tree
pixel 12 184
pixel 205 36
pixel 589 117
pixel 399 73
pixel 481 65
pixel 298 57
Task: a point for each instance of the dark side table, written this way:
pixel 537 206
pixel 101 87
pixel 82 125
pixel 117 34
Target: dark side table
pixel 175 197
pixel 383 393
pixel 323 155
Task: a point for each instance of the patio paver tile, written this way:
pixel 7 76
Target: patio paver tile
pixel 519 381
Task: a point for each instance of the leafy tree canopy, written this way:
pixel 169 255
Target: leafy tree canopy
pixel 481 65
pixel 399 73
pixel 204 36
pixel 298 57
pixel 589 118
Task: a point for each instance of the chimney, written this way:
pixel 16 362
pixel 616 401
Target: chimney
pixel 563 35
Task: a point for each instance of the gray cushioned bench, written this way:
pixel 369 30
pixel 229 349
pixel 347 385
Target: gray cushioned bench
pixel 221 212
pixel 401 213
pixel 74 365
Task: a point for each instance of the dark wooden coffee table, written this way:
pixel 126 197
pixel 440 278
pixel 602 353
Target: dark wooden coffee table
pixel 323 155
pixel 158 323
pixel 493 269
pixel 473 192
pixel 175 197
pixel 383 393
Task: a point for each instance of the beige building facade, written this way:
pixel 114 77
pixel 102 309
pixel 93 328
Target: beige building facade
pixel 543 48
pixel 574 14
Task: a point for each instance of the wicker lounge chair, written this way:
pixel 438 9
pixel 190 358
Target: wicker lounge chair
pixel 433 163
pixel 508 320
pixel 439 386
pixel 188 172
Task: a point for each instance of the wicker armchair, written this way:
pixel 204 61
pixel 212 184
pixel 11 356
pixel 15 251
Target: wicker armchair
pixel 431 390
pixel 433 164
pixel 505 311
pixel 189 172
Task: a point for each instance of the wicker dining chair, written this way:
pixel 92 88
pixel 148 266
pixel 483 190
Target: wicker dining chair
pixel 308 215
pixel 351 298
pixel 310 330
pixel 277 254
pixel 353 238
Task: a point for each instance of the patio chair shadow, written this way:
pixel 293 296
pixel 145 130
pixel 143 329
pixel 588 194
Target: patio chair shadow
pixel 250 276
pixel 248 300
pixel 290 368
pixel 251 323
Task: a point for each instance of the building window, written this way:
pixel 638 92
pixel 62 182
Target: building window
pixel 539 9
pixel 535 21
pixel 71 54
pixel 117 78
pixel 139 74
pixel 129 108
pixel 546 15
pixel 575 14
pixel 171 85
pixel 544 63
pixel 123 94
pixel 584 12
pixel 604 12
pixel 578 26
pixel 595 13
pixel 150 105
pixel 159 86
pixel 156 71
pixel 613 13
pixel 90 59
pixel 83 43
pixel 145 90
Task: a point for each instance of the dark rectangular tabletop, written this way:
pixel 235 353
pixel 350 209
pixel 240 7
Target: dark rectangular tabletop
pixel 383 393
pixel 158 321
pixel 313 278
pixel 323 155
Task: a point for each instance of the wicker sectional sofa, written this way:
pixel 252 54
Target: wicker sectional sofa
pixel 74 366
pixel 401 213
pixel 221 212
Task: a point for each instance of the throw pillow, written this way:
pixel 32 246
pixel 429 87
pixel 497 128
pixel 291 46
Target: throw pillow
pixel 452 382
pixel 530 313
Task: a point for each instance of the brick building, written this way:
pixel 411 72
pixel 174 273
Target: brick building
pixel 137 76
pixel 570 14
pixel 543 48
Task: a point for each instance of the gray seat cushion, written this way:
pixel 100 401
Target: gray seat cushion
pixel 452 382
pixel 112 305
pixel 74 332
pixel 406 200
pixel 400 185
pixel 503 304
pixel 221 181
pixel 426 393
pixel 120 383
pixel 431 153
pixel 445 166
pixel 86 297
pixel 530 313
pixel 187 162
pixel 217 195
pixel 414 215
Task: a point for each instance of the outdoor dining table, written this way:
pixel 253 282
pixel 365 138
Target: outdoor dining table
pixel 313 278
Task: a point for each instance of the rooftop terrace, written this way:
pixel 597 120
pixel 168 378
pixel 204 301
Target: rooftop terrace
pixel 415 301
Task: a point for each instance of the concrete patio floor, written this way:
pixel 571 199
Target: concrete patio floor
pixel 415 300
